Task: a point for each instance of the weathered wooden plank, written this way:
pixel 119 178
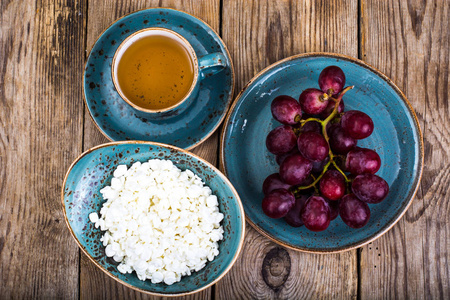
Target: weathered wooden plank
pixel 409 42
pixel 259 33
pixel 41 117
pixel 95 284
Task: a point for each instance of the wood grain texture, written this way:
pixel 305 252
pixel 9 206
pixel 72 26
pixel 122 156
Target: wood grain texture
pixel 41 61
pixel 43 45
pixel 259 33
pixel 94 283
pixel 409 42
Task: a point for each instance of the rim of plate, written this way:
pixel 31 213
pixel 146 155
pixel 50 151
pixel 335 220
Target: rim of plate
pixel 217 171
pixel 230 97
pixel 418 178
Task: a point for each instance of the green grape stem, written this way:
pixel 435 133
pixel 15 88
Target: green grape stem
pixel 324 123
pixel 299 188
pixel 303 122
pixel 339 169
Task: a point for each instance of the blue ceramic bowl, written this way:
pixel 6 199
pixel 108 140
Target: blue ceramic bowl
pixel 119 121
pixel 93 170
pixel 397 139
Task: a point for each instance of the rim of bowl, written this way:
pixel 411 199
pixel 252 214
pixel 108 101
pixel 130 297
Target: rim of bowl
pixel 194 64
pixel 397 217
pixel 217 171
pixel 230 98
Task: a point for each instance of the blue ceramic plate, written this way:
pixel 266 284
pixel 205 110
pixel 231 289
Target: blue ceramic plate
pixel 119 121
pixel 396 138
pixel 93 170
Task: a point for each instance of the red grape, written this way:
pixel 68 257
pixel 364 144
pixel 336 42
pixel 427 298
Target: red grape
pixel 281 140
pixel 293 217
pixel 307 182
pixel 313 146
pixel 316 214
pixel 295 169
pixel 306 116
pixel 274 182
pixel 332 185
pixel 330 107
pixel 303 152
pixel 319 165
pixel 312 126
pixel 362 161
pixel 281 157
pixel 370 188
pixel 353 211
pixel 340 141
pixel 334 209
pixel 357 124
pixel 332 80
pixel 278 203
pixel 312 101
pixel 286 110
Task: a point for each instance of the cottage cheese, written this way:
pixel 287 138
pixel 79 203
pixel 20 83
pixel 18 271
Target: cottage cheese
pixel 159 221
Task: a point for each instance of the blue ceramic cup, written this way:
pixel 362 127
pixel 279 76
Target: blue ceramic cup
pixel 205 66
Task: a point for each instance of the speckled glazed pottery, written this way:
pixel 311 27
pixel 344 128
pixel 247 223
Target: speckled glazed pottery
pixel 94 169
pixel 397 139
pixel 185 127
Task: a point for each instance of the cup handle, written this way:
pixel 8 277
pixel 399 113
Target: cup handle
pixel 211 64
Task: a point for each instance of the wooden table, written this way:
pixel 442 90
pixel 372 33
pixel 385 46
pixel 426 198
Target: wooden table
pixel 44 126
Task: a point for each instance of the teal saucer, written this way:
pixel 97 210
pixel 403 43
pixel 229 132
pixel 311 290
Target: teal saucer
pixel 119 121
pixel 397 139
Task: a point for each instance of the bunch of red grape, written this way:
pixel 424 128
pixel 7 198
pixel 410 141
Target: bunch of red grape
pixel 323 174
